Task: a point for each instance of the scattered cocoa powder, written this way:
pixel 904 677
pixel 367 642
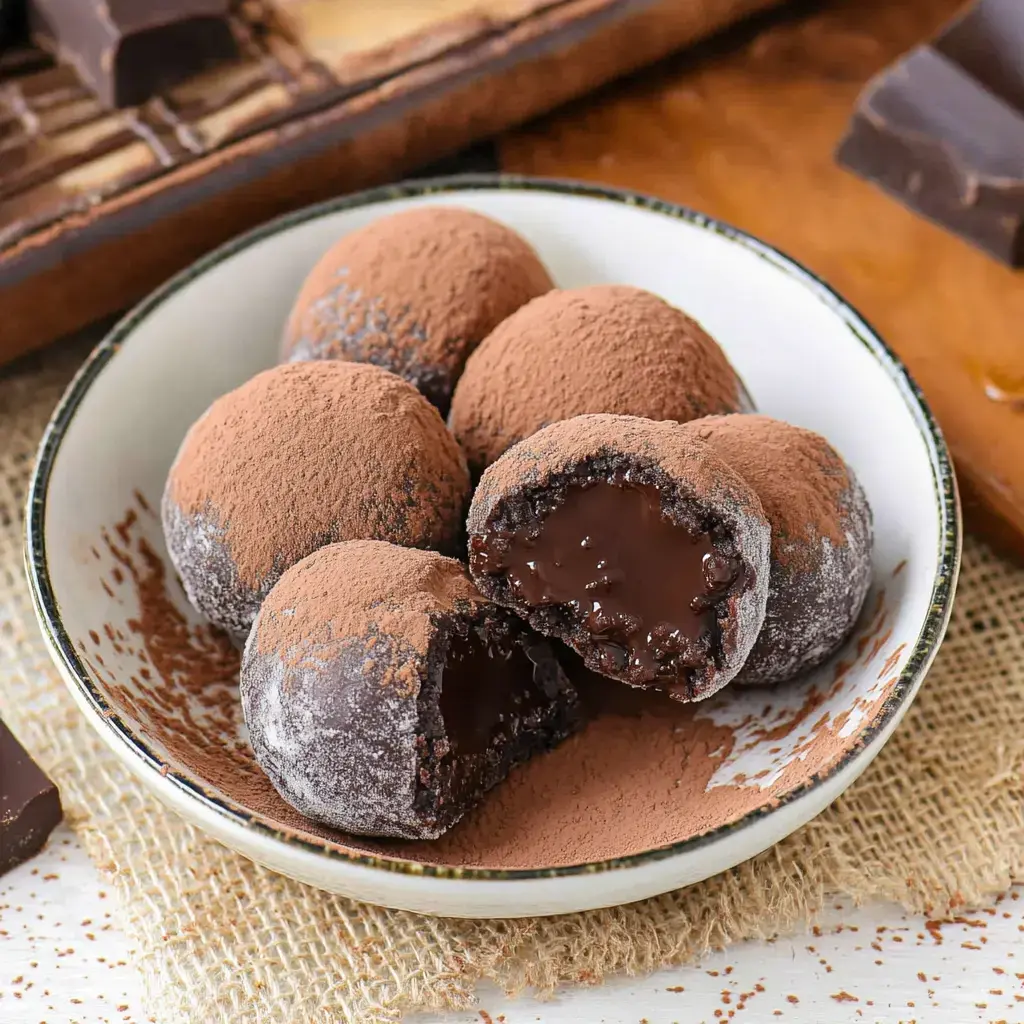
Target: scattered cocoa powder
pixel 821 538
pixel 601 349
pixel 415 292
pixel 300 456
pixel 189 701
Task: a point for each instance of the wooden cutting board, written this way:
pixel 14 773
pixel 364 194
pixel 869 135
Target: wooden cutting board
pixel 745 130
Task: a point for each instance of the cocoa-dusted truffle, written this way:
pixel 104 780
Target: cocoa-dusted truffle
pixel 298 457
pixel 415 293
pixel 602 349
pixel 632 542
pixel 385 696
pixel 821 539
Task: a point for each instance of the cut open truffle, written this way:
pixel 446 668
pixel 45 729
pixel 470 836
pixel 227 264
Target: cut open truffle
pixel 385 696
pixel 631 542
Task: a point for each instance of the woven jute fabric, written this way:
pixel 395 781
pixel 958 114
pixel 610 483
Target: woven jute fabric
pixel 934 823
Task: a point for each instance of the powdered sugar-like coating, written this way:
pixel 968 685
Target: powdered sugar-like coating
pixel 698 490
pixel 211 583
pixel 810 614
pixel 337 745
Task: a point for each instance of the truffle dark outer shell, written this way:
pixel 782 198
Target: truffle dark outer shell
pixel 822 539
pixel 600 349
pixel 340 687
pixel 695 486
pixel 300 456
pixel 415 293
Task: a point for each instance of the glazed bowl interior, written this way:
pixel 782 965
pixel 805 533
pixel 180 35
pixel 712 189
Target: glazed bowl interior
pixel 696 777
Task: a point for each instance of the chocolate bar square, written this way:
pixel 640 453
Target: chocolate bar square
pixel 943 129
pixel 29 803
pixel 130 50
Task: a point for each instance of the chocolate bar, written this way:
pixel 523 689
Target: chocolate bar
pixel 943 129
pixel 129 50
pixel 29 803
pixel 10 20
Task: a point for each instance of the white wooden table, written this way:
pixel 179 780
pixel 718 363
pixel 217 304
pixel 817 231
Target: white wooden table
pixel 63 959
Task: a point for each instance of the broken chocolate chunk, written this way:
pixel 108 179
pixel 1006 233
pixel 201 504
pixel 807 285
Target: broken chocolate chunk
pixel 943 129
pixel 129 50
pixel 29 803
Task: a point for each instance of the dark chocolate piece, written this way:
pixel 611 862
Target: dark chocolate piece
pixel 384 696
pixel 29 803
pixel 12 16
pixel 943 129
pixel 632 542
pixel 129 50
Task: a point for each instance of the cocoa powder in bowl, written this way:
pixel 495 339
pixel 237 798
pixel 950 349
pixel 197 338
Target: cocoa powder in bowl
pixel 601 349
pixel 300 456
pixel 644 771
pixel 821 539
pixel 415 293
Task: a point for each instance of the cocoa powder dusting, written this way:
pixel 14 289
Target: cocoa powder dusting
pixel 634 778
pixel 415 292
pixel 601 349
pixel 189 698
pixel 822 539
pixel 804 486
pixel 384 589
pixel 300 456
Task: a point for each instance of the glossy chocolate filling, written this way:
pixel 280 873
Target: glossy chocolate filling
pixel 645 588
pixel 488 684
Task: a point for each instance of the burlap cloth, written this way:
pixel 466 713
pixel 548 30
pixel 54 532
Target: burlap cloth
pixel 935 822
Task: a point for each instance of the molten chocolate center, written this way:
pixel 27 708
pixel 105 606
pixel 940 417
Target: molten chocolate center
pixel 485 684
pixel 644 587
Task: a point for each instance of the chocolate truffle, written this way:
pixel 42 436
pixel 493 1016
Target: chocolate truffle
pixel 602 349
pixel 303 455
pixel 632 542
pixel 384 695
pixel 415 293
pixel 821 539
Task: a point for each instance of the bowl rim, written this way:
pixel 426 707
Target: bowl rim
pixel 106 719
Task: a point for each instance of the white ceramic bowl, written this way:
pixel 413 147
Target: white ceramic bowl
pixel 806 356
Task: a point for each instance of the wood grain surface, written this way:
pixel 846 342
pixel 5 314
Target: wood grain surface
pixel 745 129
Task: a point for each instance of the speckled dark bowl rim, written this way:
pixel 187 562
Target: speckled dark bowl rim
pixel 923 652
